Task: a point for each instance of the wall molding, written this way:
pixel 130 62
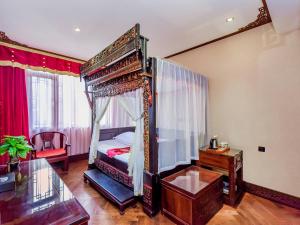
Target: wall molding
pixel 272 195
pixel 262 18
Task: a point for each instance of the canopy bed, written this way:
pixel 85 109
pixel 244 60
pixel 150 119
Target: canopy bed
pixel 168 106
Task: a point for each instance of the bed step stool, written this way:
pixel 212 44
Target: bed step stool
pixel 116 192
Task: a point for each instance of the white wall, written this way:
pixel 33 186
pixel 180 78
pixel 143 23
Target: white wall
pixel 254 97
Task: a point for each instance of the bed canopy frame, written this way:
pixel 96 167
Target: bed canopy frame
pixel 121 67
pixel 124 67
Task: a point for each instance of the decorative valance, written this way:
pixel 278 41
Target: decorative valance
pixel 27 58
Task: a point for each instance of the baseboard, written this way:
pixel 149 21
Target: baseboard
pixel 272 195
pixel 74 158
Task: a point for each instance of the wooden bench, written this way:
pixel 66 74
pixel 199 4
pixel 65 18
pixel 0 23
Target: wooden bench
pixel 116 192
pixel 192 195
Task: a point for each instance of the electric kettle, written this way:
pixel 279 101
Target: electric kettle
pixel 213 144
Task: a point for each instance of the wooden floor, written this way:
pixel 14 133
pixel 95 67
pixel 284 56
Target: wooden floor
pixel 252 210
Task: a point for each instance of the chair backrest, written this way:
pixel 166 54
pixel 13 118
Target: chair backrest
pixel 48 140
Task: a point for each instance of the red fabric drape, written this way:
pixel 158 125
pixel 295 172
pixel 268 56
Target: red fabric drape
pixel 13 104
pixel 25 58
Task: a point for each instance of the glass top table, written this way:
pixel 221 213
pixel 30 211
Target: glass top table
pixel 191 180
pixel 40 197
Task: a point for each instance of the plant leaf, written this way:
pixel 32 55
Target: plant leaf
pixel 11 141
pixel 22 154
pixel 23 147
pixel 12 151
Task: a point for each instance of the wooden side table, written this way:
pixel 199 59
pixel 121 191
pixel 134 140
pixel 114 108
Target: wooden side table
pixel 192 196
pixel 230 164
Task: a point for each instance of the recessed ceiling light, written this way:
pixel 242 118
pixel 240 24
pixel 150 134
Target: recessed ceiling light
pixel 229 19
pixel 77 29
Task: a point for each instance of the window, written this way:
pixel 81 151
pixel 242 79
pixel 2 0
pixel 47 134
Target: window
pixel 56 102
pixel 42 87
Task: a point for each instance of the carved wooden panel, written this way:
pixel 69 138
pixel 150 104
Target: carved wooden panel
pixel 119 85
pixel 146 95
pixel 123 45
pixel 147 198
pixel 114 173
pixel 127 65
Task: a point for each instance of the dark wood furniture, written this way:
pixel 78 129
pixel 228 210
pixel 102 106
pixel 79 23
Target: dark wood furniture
pixel 116 192
pixel 192 195
pixel 40 197
pixel 230 164
pixel 52 146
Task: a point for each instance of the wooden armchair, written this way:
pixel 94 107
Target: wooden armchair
pixel 52 146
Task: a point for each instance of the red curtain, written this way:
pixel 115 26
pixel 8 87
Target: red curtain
pixel 26 58
pixel 13 104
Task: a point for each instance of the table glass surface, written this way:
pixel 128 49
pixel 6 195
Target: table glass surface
pixel 192 179
pixel 40 197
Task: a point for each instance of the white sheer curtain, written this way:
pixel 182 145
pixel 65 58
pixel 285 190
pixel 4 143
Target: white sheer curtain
pixel 74 116
pixel 58 103
pixel 116 116
pixel 181 114
pixel 101 106
pixel 133 104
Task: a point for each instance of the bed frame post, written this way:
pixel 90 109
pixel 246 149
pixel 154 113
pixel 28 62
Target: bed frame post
pixel 151 199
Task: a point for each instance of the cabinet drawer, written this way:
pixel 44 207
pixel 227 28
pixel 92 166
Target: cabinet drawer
pixel 214 160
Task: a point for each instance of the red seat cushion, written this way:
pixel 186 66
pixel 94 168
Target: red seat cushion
pixel 50 153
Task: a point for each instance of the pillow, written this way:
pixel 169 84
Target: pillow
pixel 125 138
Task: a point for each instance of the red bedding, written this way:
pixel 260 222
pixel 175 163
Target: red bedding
pixel 117 151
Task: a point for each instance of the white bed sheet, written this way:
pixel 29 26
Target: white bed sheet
pixel 110 144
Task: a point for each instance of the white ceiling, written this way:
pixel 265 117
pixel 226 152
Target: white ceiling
pixel 171 25
pixel 285 14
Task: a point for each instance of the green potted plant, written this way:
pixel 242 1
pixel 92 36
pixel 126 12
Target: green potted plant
pixel 15 146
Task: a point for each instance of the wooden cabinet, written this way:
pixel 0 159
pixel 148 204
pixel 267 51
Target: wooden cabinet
pixel 192 195
pixel 230 164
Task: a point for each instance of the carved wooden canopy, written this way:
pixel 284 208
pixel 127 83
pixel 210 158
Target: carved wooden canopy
pixel 120 67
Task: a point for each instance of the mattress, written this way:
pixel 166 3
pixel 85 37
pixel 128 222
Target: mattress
pixel 110 144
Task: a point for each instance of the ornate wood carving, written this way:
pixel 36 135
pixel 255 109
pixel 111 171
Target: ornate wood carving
pixel 262 18
pixel 147 198
pixel 123 45
pixel 6 39
pixel 113 172
pixel 127 65
pixel 146 95
pixel 119 85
